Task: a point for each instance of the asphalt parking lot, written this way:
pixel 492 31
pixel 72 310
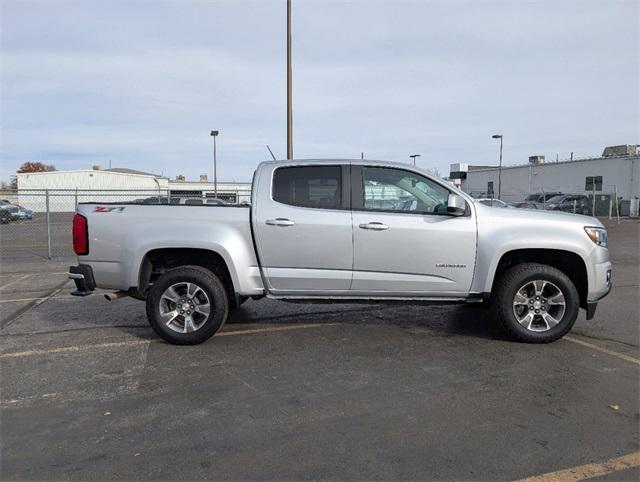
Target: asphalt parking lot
pixel 290 391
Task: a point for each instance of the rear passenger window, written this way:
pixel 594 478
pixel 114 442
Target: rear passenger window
pixel 308 186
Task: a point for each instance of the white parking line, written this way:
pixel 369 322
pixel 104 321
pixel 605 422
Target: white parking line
pixel 15 281
pixel 622 356
pixel 82 348
pixel 7 275
pixel 589 471
pixel 22 300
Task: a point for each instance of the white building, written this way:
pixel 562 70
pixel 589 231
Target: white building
pixel 65 188
pixel 618 170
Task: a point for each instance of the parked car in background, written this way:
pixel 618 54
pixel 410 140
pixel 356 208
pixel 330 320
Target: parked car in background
pixel 527 205
pixel 542 197
pixel 24 213
pixel 495 203
pixel 156 200
pixel 190 201
pixel 8 211
pixel 202 202
pixel 5 216
pixel 569 203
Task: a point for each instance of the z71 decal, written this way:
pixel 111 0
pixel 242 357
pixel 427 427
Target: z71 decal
pixel 108 209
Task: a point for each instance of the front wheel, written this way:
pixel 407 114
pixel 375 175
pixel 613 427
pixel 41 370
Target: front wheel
pixel 187 306
pixel 536 303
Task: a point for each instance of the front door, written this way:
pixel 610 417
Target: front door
pixel 405 243
pixel 303 229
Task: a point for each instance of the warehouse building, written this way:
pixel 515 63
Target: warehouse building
pixel 616 172
pixel 65 188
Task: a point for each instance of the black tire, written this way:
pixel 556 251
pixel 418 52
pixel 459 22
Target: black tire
pixel 518 276
pixel 210 285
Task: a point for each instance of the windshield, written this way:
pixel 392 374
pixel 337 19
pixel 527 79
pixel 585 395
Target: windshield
pixel 555 199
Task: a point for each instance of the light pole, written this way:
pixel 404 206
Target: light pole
pixel 289 79
pixel 413 156
pixel 214 134
pixel 499 136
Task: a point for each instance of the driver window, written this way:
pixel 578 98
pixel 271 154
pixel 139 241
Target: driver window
pixel 395 190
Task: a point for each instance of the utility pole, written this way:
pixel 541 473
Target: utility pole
pixel 413 156
pixel 289 79
pixel 214 134
pixel 499 136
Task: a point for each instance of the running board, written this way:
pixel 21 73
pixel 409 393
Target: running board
pixel 364 299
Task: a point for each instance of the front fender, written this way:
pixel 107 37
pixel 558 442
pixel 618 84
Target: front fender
pixel 504 232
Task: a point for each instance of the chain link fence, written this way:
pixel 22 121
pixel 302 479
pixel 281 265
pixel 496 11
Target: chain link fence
pixel 37 223
pixel 604 202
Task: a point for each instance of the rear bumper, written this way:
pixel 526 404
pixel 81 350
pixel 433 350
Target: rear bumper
pixel 82 276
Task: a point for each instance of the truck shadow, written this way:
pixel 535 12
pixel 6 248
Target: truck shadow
pixel 440 320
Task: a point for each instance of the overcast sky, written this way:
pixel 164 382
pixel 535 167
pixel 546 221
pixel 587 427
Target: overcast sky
pixel 143 83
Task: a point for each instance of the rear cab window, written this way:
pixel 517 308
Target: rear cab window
pixel 319 187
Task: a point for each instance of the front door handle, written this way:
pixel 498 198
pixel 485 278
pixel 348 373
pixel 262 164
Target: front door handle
pixel 280 222
pixel 376 226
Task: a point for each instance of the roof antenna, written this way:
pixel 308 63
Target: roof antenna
pixel 271 152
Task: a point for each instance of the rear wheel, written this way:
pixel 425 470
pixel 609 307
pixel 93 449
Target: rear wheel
pixel 536 303
pixel 187 306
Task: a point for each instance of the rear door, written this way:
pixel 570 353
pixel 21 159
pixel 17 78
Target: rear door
pixel 302 222
pixel 404 242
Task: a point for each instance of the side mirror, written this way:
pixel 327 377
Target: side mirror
pixel 456 205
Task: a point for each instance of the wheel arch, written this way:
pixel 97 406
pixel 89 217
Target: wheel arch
pixel 161 260
pixel 568 262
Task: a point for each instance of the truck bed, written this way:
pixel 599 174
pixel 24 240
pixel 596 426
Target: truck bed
pixel 121 234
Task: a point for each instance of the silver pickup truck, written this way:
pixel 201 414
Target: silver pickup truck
pixel 343 230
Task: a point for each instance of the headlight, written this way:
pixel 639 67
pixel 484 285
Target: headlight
pixel 597 235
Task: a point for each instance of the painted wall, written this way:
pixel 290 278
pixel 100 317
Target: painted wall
pixel 567 177
pixel 91 186
pixel 107 186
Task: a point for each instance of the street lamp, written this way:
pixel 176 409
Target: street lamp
pixel 413 156
pixel 289 82
pixel 499 136
pixel 214 134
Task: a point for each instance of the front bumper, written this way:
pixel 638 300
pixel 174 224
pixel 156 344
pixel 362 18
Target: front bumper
pixel 600 287
pixel 600 282
pixel 82 276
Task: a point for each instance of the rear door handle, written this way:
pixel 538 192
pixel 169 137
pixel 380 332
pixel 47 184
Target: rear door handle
pixel 280 222
pixel 376 226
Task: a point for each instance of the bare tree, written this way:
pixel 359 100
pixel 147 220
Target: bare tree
pixel 31 166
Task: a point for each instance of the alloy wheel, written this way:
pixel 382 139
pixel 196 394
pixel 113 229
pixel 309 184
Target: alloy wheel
pixel 184 307
pixel 539 305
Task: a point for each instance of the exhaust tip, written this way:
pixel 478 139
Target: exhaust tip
pixel 115 295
